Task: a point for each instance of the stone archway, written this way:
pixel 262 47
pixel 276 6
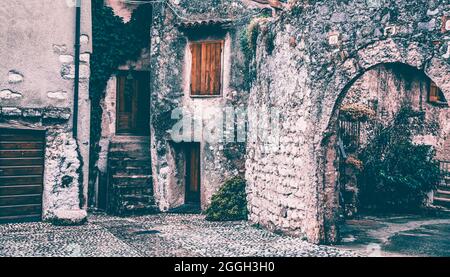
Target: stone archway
pixel 317 55
pixel 383 52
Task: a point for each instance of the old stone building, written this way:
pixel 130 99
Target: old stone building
pixel 44 147
pixel 196 66
pixel 321 48
pixel 191 163
pixel 251 88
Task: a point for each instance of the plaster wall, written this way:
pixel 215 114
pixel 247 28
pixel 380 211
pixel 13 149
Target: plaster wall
pixel 36 89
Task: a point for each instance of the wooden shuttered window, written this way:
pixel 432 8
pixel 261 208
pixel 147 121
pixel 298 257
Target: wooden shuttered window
pixel 206 71
pixel 435 95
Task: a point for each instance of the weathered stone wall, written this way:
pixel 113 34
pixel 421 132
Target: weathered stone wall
pixel 36 90
pixel 170 90
pixel 386 88
pixel 320 49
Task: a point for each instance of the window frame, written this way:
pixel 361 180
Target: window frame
pixel 436 98
pixel 222 59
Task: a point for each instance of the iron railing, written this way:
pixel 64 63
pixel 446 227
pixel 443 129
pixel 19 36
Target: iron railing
pixel 350 134
pixel 444 167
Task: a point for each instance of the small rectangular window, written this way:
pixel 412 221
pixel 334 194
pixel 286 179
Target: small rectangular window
pixel 435 95
pixel 206 69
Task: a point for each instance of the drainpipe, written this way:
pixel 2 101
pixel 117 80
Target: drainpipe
pixel 76 89
pixel 151 72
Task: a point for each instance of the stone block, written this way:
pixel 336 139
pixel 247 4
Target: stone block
pixel 57 113
pixel 15 77
pixel 7 94
pixel 59 94
pixel 31 113
pixel 69 217
pixel 11 111
pixel 66 58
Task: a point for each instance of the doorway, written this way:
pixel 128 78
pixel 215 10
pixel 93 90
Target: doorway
pixel 133 103
pixel 193 180
pixel 22 158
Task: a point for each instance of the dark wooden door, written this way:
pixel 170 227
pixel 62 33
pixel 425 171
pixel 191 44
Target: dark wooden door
pixel 21 174
pixel 133 103
pixel 193 173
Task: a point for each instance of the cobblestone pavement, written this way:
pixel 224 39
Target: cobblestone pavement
pixel 402 235
pixel 157 235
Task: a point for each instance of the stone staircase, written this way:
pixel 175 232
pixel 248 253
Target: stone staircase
pixel 130 188
pixel 442 194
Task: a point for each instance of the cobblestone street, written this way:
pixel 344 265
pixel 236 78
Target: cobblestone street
pixel 153 236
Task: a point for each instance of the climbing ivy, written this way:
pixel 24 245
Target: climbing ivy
pixel 114 43
pixel 249 37
pixel 249 44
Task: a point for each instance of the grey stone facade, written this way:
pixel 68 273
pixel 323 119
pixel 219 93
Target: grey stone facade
pixel 169 62
pixel 311 58
pixel 320 49
pixel 170 90
pixel 36 91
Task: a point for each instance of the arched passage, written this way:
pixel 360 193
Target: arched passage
pixel 412 66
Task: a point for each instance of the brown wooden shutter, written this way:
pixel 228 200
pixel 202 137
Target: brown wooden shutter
pixel 206 70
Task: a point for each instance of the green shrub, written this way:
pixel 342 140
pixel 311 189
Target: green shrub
pixel 230 203
pixel 397 174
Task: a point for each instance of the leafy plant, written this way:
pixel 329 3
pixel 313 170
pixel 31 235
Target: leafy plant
pixel 230 203
pixel 397 174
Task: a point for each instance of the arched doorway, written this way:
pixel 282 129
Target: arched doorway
pixel 369 104
pixel 338 85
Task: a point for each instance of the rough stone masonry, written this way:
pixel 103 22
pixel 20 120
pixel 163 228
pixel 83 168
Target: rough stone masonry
pixel 320 48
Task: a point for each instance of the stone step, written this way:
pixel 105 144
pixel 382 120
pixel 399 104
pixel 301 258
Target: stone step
pixel 124 162
pixel 129 146
pixel 132 181
pixel 116 142
pixel 138 198
pixel 140 209
pixel 132 154
pixel 131 170
pixel 442 194
pixel 443 191
pixel 439 199
pixel 444 185
pixel 130 139
pixel 444 202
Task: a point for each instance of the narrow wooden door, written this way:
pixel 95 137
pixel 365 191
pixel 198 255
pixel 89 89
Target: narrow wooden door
pixel 133 104
pixel 193 173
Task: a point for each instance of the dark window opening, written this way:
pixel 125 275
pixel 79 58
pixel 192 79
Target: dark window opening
pixel 436 95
